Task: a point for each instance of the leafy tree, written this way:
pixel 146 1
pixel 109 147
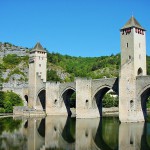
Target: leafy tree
pixel 12 59
pixel 110 101
pixel 52 76
pixel 8 100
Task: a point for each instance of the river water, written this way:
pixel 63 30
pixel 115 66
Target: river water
pixel 62 133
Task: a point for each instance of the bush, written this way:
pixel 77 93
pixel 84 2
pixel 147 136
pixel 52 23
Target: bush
pixel 12 59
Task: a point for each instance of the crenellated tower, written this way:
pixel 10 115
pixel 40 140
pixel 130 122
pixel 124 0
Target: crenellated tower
pixel 133 64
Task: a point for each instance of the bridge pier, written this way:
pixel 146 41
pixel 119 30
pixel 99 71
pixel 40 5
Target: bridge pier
pixel 84 107
pixel 54 101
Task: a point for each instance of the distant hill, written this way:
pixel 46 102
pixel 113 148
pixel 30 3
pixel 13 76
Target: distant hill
pixel 63 68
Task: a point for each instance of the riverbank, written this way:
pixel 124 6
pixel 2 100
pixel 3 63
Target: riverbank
pixel 113 111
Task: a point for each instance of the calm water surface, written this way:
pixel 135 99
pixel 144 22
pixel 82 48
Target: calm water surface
pixel 62 133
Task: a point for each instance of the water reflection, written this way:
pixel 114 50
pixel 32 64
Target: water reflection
pixel 59 132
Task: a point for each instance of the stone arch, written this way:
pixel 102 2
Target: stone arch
pixel 41 99
pixel 98 96
pixel 143 96
pixel 140 72
pixel 65 97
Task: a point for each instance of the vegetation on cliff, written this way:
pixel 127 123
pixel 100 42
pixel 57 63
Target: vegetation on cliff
pixel 62 68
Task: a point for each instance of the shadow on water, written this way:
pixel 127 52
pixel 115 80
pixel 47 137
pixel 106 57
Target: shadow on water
pixel 108 127
pixel 145 139
pixel 41 128
pixel 69 130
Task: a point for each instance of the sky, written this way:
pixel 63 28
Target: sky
pixel 86 28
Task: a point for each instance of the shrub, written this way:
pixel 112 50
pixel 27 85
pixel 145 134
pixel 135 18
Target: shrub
pixel 12 59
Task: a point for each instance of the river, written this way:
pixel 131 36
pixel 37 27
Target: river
pixel 62 133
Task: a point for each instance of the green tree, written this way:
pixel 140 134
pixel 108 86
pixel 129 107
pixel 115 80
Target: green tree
pixel 12 59
pixel 110 101
pixel 52 76
pixel 8 100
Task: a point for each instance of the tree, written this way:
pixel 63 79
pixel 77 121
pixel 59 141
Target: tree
pixel 110 101
pixel 52 76
pixel 8 100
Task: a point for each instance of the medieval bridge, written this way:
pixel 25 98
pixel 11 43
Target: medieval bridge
pixel 132 86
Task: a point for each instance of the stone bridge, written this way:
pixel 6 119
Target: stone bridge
pixel 89 94
pixel 132 86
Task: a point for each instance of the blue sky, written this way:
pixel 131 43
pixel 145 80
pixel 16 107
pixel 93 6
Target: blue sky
pixel 73 27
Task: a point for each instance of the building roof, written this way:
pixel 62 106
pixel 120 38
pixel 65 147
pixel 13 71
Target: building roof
pixel 38 47
pixel 132 23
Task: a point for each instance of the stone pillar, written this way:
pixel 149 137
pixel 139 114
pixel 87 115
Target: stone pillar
pixel 54 103
pixel 84 107
pixel 83 97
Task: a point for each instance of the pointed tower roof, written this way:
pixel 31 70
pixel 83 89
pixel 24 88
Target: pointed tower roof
pixel 132 23
pixel 38 47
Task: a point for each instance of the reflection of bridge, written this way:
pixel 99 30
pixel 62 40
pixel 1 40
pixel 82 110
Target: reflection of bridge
pixel 59 132
pixel 133 86
pixel 52 132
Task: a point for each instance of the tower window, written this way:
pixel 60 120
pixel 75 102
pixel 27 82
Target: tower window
pixel 131 104
pixel 129 57
pixel 140 72
pixel 39 65
pixel 139 45
pixel 127 45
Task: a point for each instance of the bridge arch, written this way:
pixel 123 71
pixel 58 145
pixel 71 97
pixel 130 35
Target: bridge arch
pixel 98 97
pixel 41 99
pixel 143 96
pixel 66 97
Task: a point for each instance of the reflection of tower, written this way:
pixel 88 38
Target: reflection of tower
pixel 37 68
pixel 35 139
pixel 130 135
pixel 133 63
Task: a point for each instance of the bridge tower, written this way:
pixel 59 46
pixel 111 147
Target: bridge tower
pixel 37 72
pixel 133 64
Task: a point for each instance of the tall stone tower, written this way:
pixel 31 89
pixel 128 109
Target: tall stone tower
pixel 133 64
pixel 37 69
